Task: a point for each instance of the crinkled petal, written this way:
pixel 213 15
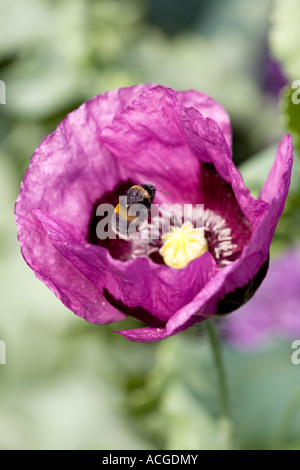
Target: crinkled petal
pixel 62 277
pixel 147 291
pixel 148 139
pixel 103 108
pixel 206 140
pixel 209 108
pixel 158 139
pixel 68 172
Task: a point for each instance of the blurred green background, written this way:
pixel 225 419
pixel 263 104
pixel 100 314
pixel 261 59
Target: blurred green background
pixel 69 384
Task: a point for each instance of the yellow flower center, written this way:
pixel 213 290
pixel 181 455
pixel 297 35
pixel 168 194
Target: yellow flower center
pixel 182 245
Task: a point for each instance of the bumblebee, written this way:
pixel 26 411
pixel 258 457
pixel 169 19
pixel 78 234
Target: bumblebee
pixel 133 210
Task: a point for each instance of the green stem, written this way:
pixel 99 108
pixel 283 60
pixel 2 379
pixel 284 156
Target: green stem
pixel 222 381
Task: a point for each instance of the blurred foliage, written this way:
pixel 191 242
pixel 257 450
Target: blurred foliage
pixel 173 17
pixel 255 171
pixel 55 55
pixel 284 40
pixel 290 103
pixel 70 384
pixel 284 35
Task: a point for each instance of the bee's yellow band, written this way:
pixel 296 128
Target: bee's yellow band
pixel 123 212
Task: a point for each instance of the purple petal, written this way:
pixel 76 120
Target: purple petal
pixel 103 108
pixel 138 287
pixel 62 277
pixel 144 335
pixel 68 172
pixel 206 140
pixel 147 138
pixel 157 139
pixel 278 180
pixel 208 108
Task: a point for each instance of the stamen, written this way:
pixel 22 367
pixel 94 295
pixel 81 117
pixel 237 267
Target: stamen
pixel 220 239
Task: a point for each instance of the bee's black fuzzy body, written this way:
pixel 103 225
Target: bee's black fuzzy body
pixel 139 194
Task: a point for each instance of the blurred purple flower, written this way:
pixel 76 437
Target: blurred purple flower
pixel 273 76
pixel 180 141
pixel 275 308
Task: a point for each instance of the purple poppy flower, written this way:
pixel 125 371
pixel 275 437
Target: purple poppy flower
pixel 180 142
pixel 273 311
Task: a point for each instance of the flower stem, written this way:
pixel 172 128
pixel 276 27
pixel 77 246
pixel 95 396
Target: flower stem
pixel 222 381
